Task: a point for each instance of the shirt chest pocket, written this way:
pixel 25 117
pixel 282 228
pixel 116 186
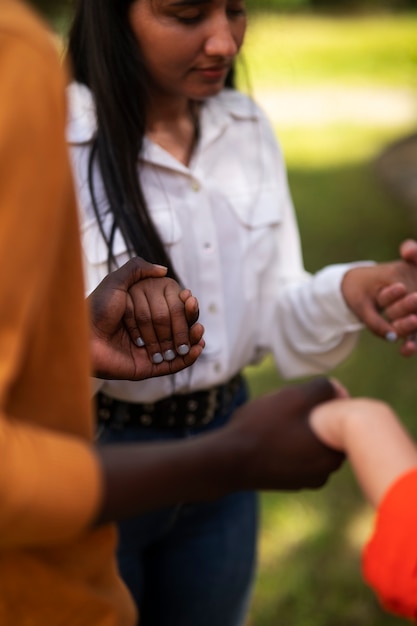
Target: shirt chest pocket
pixel 259 216
pixel 96 250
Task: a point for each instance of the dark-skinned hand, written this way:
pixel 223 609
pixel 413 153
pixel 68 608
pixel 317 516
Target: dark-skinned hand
pixel 279 449
pixel 117 321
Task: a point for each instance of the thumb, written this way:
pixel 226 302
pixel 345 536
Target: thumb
pixel 371 316
pixel 317 390
pixel 134 270
pixel 408 251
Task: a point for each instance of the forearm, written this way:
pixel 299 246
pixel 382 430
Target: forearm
pixel 378 447
pixel 142 477
pixel 311 329
pixel 368 431
pixel 267 445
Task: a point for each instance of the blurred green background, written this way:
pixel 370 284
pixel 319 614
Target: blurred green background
pixel 339 89
pixel 339 81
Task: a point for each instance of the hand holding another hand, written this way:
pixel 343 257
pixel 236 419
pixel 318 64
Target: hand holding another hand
pixel 401 307
pixel 384 297
pixel 138 301
pixel 278 446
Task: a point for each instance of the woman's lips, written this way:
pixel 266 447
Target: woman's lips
pixel 215 72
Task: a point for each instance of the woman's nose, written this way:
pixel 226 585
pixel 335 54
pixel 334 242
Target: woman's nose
pixel 221 39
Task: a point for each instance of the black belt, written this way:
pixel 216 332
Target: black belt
pixel 177 411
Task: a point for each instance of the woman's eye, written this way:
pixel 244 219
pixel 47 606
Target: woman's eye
pixel 236 12
pixel 189 19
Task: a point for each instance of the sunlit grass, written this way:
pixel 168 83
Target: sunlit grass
pixel 291 50
pixel 335 145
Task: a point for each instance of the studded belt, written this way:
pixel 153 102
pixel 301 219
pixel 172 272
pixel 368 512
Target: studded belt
pixel 177 411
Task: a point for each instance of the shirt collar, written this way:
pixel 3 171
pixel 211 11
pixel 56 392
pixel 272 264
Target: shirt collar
pixel 216 114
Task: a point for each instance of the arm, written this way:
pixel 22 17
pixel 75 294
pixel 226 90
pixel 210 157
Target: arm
pixel 371 435
pixel 384 459
pixel 268 445
pixel 314 322
pixel 129 304
pixel 49 481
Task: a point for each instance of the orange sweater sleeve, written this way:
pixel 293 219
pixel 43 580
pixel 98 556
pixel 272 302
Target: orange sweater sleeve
pixel 49 486
pixel 50 482
pixel 390 557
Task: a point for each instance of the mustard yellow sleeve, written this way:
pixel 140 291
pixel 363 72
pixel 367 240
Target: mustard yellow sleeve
pixel 50 484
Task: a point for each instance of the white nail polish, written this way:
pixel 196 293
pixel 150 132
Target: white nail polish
pixel 157 358
pixel 139 342
pixel 183 349
pixel 391 336
pixel 169 355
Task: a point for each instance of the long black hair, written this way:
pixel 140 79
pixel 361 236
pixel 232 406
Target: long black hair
pixel 105 56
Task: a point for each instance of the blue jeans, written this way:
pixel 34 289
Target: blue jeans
pixel 192 564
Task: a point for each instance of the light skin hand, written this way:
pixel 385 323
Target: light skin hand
pixel 400 307
pixel 362 288
pixel 115 355
pixel 371 435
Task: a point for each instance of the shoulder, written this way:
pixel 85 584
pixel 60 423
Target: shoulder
pixel 32 78
pixel 23 33
pixel 244 117
pixel 234 106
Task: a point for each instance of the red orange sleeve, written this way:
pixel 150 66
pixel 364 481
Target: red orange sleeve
pixel 389 561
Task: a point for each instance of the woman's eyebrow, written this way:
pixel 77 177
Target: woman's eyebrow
pixel 180 3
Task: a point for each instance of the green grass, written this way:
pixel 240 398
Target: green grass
pixel 309 559
pixel 310 542
pixel 290 50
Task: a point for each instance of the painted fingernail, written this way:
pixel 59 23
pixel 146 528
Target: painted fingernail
pixel 391 336
pixel 169 355
pixel 157 358
pixel 139 342
pixel 183 349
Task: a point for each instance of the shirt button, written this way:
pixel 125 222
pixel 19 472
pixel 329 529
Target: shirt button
pixel 195 185
pixel 217 367
pixel 212 308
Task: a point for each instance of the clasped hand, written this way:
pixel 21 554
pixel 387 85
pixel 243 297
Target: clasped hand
pixel 274 445
pixel 143 324
pixel 384 297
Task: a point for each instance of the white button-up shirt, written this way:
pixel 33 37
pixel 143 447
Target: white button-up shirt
pixel 228 224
